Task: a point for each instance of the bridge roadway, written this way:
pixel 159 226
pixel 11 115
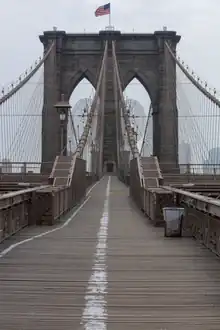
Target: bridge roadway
pixel 107 263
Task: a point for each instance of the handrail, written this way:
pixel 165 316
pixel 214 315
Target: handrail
pixel 140 171
pixel 71 171
pixel 146 126
pixel 21 192
pixel 203 203
pixel 73 127
pixel 54 167
pixel 158 167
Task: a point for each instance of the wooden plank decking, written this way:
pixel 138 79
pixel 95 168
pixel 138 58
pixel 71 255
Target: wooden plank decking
pixel 108 268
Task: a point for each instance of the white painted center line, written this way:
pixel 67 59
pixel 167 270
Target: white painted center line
pixel 95 312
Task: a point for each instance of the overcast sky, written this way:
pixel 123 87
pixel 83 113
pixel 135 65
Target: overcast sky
pixel 196 20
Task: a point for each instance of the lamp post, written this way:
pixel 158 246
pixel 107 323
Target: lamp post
pixel 63 107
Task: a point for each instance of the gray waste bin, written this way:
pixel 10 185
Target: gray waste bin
pixel 173 217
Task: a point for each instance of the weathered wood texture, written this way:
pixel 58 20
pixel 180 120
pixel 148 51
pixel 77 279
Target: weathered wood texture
pixel 204 228
pixel 153 282
pixel 15 211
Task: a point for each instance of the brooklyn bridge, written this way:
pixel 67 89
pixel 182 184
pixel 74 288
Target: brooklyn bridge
pixel 83 230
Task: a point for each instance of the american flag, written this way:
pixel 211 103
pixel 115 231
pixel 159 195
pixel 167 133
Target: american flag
pixel 103 10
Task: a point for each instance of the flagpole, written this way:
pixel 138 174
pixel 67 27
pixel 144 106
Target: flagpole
pixel 110 15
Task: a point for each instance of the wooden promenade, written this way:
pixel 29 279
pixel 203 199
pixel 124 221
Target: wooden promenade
pixel 106 267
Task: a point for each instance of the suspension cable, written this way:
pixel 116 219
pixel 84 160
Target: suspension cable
pixel 27 78
pixel 192 79
pixel 85 134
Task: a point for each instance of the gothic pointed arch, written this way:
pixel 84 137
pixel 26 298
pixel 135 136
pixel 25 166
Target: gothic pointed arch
pixel 147 80
pixel 77 77
pixel 141 56
pixel 138 98
pixel 80 101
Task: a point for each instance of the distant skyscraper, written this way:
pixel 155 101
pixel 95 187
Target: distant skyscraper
pixel 206 167
pixel 79 117
pixel 6 166
pixel 212 164
pixel 214 156
pixel 138 117
pixel 23 168
pixel 184 156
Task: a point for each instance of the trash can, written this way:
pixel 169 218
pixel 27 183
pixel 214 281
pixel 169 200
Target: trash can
pixel 173 217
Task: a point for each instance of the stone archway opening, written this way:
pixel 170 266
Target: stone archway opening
pixel 139 101
pixel 109 167
pixel 72 69
pixel 80 101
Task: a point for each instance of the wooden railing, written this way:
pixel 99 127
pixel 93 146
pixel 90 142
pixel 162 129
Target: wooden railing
pixel 202 213
pixel 15 211
pixel 42 204
pixel 57 201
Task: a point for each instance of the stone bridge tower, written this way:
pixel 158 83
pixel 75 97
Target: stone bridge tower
pixel 141 56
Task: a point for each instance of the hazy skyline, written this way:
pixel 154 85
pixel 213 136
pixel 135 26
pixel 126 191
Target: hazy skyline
pixel 196 22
